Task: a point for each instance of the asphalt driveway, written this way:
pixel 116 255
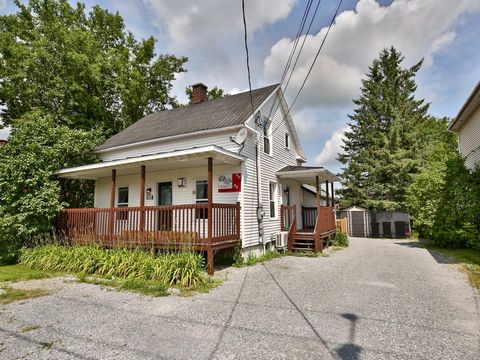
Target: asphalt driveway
pixel 379 299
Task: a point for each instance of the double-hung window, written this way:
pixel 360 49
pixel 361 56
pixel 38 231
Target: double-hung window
pixel 267 143
pixel 201 197
pixel 122 202
pixel 273 199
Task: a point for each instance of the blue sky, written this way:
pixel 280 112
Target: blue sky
pixel 443 32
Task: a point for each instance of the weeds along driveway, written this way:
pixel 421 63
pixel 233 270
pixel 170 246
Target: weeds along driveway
pixel 379 299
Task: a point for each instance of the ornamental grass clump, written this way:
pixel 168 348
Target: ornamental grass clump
pixel 183 268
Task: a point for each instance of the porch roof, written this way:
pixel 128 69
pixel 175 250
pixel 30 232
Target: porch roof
pixel 184 158
pixel 306 174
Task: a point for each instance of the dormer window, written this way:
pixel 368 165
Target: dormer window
pixel 267 144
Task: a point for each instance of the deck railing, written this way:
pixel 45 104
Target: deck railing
pixel 152 225
pixel 309 217
pixel 288 216
pixel 326 221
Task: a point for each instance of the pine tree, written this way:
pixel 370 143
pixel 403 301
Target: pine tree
pixel 380 152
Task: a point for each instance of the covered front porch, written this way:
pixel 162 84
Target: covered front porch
pixel 162 201
pixel 308 227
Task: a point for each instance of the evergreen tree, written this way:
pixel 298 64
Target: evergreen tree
pixel 380 152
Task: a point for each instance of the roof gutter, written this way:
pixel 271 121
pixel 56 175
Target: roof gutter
pixel 476 90
pixel 167 138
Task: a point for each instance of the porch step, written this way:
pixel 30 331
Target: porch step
pixel 304 236
pixel 304 242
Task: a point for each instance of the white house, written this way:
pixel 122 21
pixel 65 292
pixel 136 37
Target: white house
pixel 467 125
pixel 215 172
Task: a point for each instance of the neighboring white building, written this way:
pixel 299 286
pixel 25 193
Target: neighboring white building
pixel 467 125
pixel 167 158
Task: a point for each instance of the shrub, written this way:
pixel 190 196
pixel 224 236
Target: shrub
pixel 340 239
pixel 185 269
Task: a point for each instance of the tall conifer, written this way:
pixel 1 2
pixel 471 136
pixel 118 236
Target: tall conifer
pixel 381 149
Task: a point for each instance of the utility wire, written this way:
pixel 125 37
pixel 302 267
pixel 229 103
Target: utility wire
pixel 292 51
pixel 303 43
pixel 296 61
pixel 248 58
pixel 310 69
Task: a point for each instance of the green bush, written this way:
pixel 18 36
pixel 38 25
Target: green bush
pixel 184 269
pixel 340 239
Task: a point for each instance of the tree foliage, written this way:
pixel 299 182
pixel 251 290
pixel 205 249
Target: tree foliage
pixel 456 222
pixel 380 152
pixel 85 70
pixel 425 192
pixel 68 80
pixel 29 195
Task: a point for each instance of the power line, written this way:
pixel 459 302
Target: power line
pixel 296 59
pixel 303 43
pixel 248 58
pixel 292 51
pixel 311 67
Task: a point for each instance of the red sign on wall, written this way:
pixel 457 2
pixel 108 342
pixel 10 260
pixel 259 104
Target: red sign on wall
pixel 229 183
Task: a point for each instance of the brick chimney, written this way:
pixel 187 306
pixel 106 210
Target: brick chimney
pixel 199 93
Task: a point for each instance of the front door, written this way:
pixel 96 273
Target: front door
pixel 165 199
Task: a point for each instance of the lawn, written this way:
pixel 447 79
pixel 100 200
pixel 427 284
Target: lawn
pixel 469 259
pixel 20 272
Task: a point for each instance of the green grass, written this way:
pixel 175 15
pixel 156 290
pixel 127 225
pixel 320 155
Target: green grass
pixel 10 295
pixel 468 259
pixel 147 287
pixel 273 254
pixel 172 269
pixel 20 272
pixel 29 328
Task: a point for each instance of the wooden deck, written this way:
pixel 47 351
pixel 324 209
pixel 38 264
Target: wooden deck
pixel 193 226
pixel 316 229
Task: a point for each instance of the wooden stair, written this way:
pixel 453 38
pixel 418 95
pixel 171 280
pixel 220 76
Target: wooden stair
pixel 304 241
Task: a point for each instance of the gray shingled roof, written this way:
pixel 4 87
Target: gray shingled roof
pixel 213 114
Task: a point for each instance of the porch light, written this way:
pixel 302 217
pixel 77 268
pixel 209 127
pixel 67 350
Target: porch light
pixel 182 182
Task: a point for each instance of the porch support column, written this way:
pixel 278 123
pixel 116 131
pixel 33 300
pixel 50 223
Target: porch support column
pixel 317 238
pixel 142 198
pixel 328 197
pixel 61 183
pixel 112 205
pixel 333 194
pixel 210 267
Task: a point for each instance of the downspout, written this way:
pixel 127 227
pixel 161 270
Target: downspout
pixel 260 212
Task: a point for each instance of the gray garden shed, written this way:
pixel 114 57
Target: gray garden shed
pixel 359 221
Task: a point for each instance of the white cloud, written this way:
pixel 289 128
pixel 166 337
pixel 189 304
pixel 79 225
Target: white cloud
pixel 331 149
pixel 210 33
pixel 418 28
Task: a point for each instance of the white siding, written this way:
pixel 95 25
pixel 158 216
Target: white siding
pixel 269 165
pixel 221 139
pixel 310 199
pixel 179 195
pixel 469 140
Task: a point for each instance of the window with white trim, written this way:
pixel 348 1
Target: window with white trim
pixel 273 199
pixel 201 197
pixel 122 202
pixel 267 141
pixel 287 140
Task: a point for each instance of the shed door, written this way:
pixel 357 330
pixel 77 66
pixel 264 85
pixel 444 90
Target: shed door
pixel 358 224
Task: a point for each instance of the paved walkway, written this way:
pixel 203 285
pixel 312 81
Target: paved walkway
pixel 379 299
